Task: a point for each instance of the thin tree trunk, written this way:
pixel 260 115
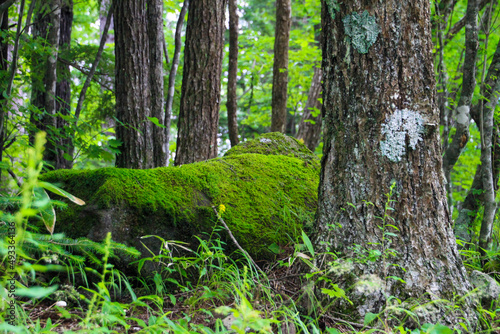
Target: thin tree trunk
pixel 381 128
pixel 95 63
pixel 475 195
pixel 200 98
pixel 462 120
pixel 44 77
pixel 133 93
pixel 232 105
pixel 156 41
pixel 173 72
pixel 4 66
pixel 63 92
pixel 280 67
pixel 310 126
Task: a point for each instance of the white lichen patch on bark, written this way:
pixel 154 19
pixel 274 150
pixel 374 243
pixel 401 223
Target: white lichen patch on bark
pixel 462 116
pixel 400 125
pixel 362 30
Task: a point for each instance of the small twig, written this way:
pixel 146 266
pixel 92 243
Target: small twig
pixel 14 176
pixel 234 239
pixel 84 71
pixel 355 324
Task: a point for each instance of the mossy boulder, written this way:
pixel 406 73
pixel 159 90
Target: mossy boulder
pixel 274 143
pixel 267 198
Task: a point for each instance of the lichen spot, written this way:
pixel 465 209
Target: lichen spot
pixel 361 30
pixel 333 6
pixel 462 115
pixel 400 125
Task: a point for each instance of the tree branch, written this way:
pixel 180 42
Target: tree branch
pixel 234 239
pixel 460 24
pixel 461 136
pixel 84 71
pixel 98 56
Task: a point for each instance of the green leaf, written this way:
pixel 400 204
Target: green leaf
pixel 68 157
pixel 397 279
pixel 308 243
pixel 36 291
pixel 436 329
pixel 274 248
pixel 58 191
pixel 156 122
pixel 114 143
pixel 45 209
pixel 332 331
pixel 369 317
pixel 172 299
pixel 4 165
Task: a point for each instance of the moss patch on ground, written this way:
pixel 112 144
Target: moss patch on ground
pixel 267 198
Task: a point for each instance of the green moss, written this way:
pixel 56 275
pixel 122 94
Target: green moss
pixel 267 197
pixel 274 143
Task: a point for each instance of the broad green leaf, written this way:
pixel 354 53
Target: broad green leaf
pixel 308 243
pixel 36 291
pixel 46 210
pixel 58 191
pixel 274 248
pixel 156 122
pixel 369 317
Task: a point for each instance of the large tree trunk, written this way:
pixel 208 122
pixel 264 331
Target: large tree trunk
pixel 310 125
pixel 280 67
pixel 63 91
pixel 44 75
pixel 133 93
pixel 200 97
pixel 156 40
pixel 381 127
pixel 232 105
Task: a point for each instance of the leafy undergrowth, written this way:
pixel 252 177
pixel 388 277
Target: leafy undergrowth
pixel 53 284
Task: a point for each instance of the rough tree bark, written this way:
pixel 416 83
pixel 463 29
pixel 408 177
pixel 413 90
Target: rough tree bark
pixel 310 126
pixel 44 75
pixel 173 72
pixel 280 67
pixel 381 127
pixel 232 105
pixel 133 93
pixel 63 91
pixel 200 97
pixel 156 41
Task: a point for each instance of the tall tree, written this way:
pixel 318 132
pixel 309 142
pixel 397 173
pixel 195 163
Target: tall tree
pixel 44 75
pixel 462 119
pixel 381 128
pixel 4 66
pixel 310 126
pixel 232 105
pixel 173 72
pixel 133 67
pixel 64 144
pixel 280 67
pixel 200 97
pixel 156 41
